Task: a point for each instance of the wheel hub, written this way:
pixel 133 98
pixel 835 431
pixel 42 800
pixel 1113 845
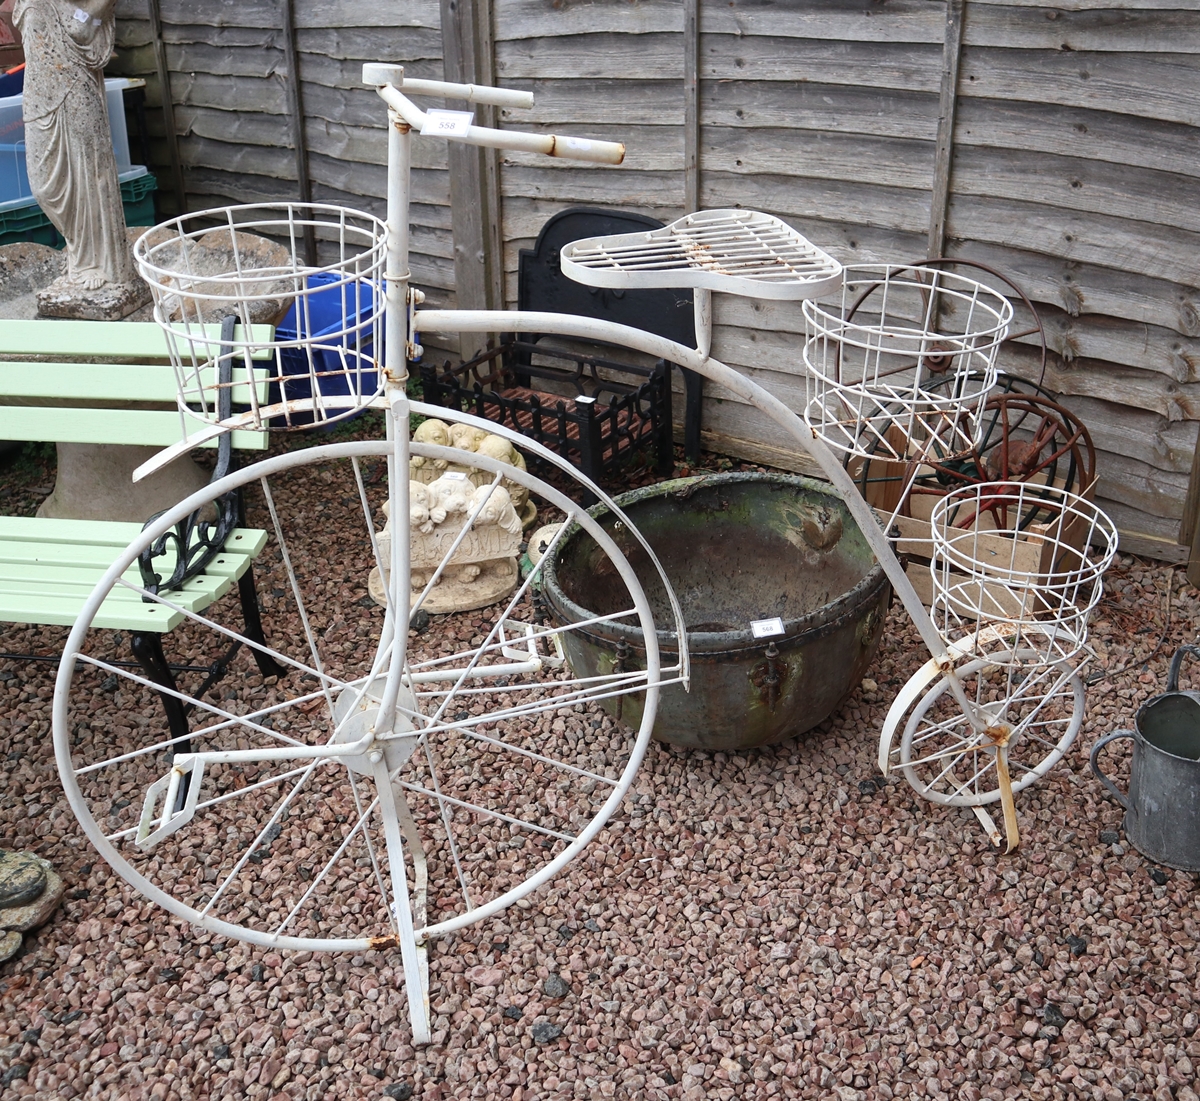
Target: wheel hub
pixel 354 714
pixel 997 735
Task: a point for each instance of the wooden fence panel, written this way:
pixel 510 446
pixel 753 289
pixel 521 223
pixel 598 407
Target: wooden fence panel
pixel 229 86
pixel 1073 166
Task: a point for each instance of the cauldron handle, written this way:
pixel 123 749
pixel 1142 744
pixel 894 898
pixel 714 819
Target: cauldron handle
pixel 1176 662
pixel 1096 768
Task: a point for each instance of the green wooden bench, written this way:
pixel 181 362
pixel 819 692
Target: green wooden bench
pixel 48 567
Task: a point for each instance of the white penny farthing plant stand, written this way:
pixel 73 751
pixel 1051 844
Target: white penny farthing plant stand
pixel 383 791
pixel 381 794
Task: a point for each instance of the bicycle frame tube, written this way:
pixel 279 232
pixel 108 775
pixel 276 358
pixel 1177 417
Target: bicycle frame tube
pixel 397 339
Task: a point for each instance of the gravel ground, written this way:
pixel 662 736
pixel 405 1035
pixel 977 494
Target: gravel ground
pixel 779 923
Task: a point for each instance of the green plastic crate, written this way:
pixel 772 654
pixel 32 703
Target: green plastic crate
pixel 28 223
pixel 137 195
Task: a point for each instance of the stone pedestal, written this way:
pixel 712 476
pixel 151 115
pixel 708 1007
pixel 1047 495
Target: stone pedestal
pixel 109 302
pixel 95 482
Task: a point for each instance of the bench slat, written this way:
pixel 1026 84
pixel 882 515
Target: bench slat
pixel 109 382
pixel 127 340
pixel 38 577
pixel 145 427
pixel 225 564
pixel 94 562
pixel 38 529
pixel 106 533
pixel 59 611
pixel 194 600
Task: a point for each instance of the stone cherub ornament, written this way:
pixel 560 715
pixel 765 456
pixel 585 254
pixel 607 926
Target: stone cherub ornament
pixel 69 156
pixel 483 568
pixel 465 437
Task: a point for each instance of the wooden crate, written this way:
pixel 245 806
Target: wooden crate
pixel 916 543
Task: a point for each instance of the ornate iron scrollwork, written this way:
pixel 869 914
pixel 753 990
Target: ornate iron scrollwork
pixel 197 540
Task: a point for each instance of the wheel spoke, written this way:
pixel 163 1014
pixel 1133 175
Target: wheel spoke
pixel 458 541
pixel 517 597
pixel 319 876
pixel 234 636
pixel 445 808
pixel 217 800
pixel 231 720
pixel 241 863
pixel 538 635
pixel 955 751
pixel 611 688
pixel 297 595
pixel 973 782
pixel 538 757
pixel 487 812
pixel 950 768
pixel 371 854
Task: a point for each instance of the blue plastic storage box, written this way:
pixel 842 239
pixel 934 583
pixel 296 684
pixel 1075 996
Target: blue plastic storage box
pixel 321 314
pixel 15 184
pixel 14 180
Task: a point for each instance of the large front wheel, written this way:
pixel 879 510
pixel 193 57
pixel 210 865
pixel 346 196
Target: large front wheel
pixel 266 823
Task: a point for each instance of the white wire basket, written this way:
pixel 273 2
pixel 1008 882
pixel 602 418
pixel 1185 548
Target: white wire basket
pixel 259 339
pixel 1017 569
pixel 902 364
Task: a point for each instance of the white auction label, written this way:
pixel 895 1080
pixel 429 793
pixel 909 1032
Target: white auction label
pixel 81 16
pixel 449 124
pixel 580 145
pixel 455 476
pixel 766 628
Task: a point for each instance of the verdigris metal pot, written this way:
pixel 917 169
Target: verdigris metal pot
pixel 1162 809
pixel 739 550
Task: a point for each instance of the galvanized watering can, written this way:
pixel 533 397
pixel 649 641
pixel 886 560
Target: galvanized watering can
pixel 1162 809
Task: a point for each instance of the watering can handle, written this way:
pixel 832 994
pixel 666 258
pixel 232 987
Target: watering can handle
pixel 1096 768
pixel 1176 662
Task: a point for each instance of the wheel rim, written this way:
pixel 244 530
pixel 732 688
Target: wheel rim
pixel 1032 712
pixel 508 782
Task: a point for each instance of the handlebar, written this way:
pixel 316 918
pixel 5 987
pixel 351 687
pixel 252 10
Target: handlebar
pixel 391 84
pixel 472 93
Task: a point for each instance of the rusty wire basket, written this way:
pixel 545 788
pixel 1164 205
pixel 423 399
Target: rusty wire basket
pixel 259 339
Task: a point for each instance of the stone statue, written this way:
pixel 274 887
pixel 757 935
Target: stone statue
pixel 484 567
pixel 468 438
pixel 69 156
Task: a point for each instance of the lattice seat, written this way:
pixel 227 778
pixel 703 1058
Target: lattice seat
pixel 740 252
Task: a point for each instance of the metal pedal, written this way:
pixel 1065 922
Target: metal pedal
pixel 172 819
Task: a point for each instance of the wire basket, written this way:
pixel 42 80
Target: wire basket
pixel 1022 594
pixel 257 338
pixel 902 365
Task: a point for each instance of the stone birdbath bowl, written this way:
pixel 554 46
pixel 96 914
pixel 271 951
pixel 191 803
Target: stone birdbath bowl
pixel 95 481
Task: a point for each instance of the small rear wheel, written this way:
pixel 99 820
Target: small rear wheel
pixel 1021 711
